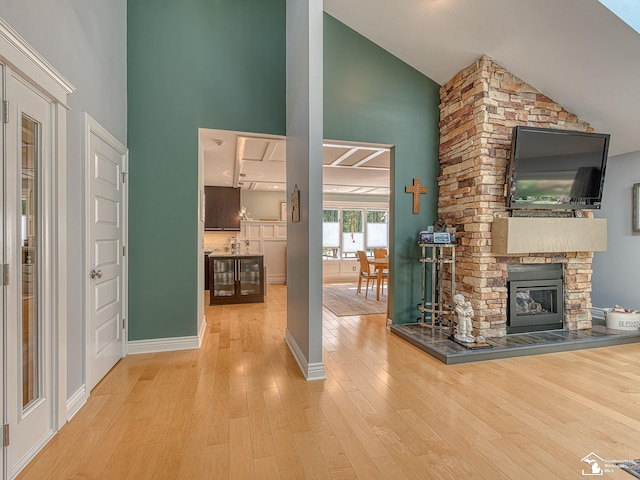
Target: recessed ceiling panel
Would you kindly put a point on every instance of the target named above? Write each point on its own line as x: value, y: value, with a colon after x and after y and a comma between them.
x: 332, y: 155
x: 278, y: 151
x: 255, y: 149
x: 355, y: 157
x: 383, y: 160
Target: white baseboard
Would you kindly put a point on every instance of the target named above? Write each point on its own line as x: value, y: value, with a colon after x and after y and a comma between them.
x: 278, y: 278
x: 315, y: 371
x: 202, y: 329
x: 31, y: 453
x: 155, y: 345
x: 311, y: 371
x: 597, y: 313
x: 76, y: 401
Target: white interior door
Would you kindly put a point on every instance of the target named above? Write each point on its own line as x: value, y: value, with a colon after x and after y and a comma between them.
x: 30, y: 399
x: 3, y: 236
x: 105, y: 256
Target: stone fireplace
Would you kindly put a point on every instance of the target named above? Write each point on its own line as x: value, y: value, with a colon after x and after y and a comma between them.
x: 478, y: 109
x: 535, y: 297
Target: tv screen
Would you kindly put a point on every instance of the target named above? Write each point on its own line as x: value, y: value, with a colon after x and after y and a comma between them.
x: 556, y: 168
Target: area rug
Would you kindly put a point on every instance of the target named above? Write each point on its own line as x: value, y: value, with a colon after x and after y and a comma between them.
x: 343, y: 300
x: 632, y: 467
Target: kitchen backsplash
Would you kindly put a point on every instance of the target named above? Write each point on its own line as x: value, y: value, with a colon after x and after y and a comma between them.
x: 218, y: 241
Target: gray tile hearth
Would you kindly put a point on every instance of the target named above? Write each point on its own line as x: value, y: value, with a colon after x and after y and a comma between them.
x: 439, y: 346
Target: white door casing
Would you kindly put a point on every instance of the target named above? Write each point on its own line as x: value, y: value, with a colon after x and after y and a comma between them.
x: 38, y: 78
x: 105, y: 256
x: 31, y: 426
x: 2, y: 254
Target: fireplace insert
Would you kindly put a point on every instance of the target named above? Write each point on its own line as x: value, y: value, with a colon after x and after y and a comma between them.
x: 535, y: 298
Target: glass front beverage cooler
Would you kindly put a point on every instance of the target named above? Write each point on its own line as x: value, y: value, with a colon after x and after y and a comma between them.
x: 236, y: 279
x: 251, y: 276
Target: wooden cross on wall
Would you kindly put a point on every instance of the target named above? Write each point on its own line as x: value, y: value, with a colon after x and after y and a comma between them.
x: 416, y: 190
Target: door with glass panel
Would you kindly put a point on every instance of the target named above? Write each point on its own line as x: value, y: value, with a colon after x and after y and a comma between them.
x: 28, y: 343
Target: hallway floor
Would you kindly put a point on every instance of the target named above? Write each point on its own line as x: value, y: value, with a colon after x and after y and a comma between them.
x: 238, y: 408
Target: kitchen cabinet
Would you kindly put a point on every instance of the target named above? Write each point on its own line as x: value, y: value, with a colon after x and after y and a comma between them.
x: 222, y: 209
x: 270, y: 239
x: 206, y: 270
x: 236, y: 279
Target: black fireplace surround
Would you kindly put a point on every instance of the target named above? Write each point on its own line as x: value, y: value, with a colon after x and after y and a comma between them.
x: 536, y: 299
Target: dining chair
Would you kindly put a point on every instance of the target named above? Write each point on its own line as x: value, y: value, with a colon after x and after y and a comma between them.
x: 380, y: 253
x: 366, y: 273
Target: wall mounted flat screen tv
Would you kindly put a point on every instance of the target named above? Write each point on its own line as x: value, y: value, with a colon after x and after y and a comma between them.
x: 556, y: 169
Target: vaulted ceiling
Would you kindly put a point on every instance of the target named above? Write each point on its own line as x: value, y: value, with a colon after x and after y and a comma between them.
x: 576, y: 52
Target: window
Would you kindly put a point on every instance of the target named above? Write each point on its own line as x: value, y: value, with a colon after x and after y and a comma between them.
x: 352, y: 232
x: 628, y: 11
x: 377, y: 230
x: 331, y: 233
x: 347, y: 230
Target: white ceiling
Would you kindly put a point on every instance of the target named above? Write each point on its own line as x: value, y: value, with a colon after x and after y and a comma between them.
x: 257, y: 162
x: 576, y: 52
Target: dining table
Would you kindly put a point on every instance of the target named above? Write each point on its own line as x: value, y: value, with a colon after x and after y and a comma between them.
x: 380, y: 265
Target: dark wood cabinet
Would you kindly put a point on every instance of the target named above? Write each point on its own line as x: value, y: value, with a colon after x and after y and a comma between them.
x: 222, y: 208
x: 206, y: 270
x: 236, y: 279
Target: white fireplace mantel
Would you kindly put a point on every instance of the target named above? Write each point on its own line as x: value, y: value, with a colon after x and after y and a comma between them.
x: 524, y: 235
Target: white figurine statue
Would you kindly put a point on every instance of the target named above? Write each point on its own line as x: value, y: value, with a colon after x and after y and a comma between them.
x: 464, y: 312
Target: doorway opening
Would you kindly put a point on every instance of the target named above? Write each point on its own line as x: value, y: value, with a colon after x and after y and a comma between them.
x: 356, y: 182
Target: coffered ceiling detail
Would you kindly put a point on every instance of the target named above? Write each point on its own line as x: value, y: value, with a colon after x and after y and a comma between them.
x: 258, y: 162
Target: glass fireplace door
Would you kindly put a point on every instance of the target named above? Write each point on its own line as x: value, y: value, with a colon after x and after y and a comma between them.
x: 535, y: 305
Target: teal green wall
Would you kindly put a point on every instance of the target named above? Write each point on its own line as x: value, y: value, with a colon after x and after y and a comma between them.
x: 372, y: 96
x: 191, y: 64
x: 221, y: 64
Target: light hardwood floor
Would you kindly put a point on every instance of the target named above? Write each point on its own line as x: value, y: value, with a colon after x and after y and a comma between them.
x: 239, y: 408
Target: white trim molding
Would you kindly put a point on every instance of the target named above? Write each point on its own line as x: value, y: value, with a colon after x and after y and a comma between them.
x: 201, y: 330
x: 31, y: 453
x: 311, y: 371
x: 31, y: 64
x: 155, y: 345
x: 597, y: 313
x: 16, y: 53
x: 76, y: 401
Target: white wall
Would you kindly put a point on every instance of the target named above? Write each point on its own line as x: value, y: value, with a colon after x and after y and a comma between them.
x: 86, y: 43
x: 304, y: 169
x: 616, y: 272
x: 262, y: 205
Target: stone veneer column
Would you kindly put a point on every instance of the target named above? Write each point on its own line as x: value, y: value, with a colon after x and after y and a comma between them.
x: 478, y: 109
